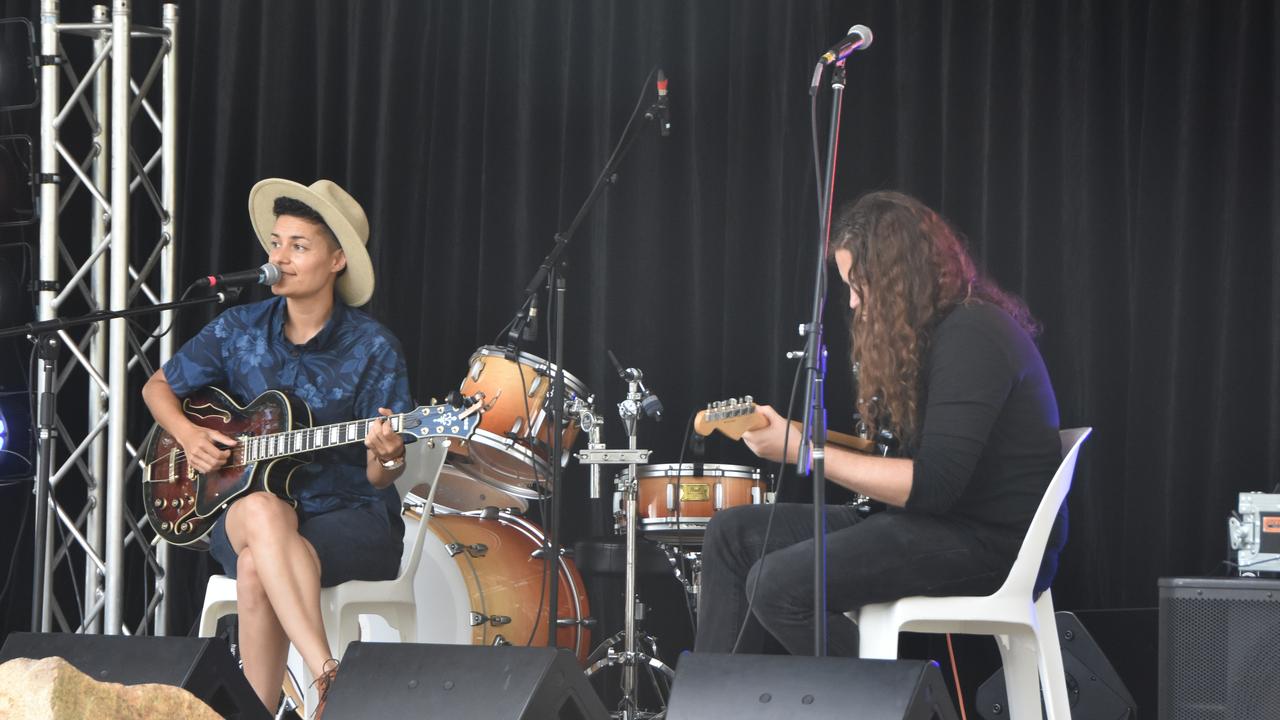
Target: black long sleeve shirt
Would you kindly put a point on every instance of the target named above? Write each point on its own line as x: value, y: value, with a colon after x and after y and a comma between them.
x: 989, y: 440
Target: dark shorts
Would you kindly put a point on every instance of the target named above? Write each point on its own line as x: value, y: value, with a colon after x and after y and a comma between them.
x: 362, y: 543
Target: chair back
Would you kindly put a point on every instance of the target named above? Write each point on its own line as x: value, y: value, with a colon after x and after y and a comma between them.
x: 428, y: 463
x: 1031, y: 554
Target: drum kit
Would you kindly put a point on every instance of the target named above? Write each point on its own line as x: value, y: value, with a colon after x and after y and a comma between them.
x: 490, y: 480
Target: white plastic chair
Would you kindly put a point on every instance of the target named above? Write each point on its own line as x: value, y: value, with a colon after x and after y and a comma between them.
x: 1025, y: 631
x: 341, y: 605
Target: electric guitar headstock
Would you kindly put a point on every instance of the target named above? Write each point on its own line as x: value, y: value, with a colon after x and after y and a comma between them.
x: 731, y: 417
x: 738, y: 415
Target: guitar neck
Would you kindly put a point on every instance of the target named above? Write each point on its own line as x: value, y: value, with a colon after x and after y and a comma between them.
x: 256, y: 448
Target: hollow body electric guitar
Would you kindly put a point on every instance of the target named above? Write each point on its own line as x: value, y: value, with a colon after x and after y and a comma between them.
x: 274, y: 435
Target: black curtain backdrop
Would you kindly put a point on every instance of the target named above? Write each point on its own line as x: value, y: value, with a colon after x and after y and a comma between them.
x: 1116, y: 162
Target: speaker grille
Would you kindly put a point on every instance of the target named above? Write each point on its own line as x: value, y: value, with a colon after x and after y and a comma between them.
x: 1219, y: 653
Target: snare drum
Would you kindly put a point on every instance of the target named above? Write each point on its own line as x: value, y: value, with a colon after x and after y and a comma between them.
x: 677, y: 501
x: 511, y: 449
x: 481, y: 581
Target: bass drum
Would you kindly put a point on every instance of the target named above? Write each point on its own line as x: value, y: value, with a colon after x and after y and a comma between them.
x: 481, y: 581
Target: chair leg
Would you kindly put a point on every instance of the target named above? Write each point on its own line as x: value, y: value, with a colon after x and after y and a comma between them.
x: 348, y: 627
x: 209, y: 618
x: 1053, y: 676
x: 1021, y: 673
x: 406, y: 621
x: 877, y: 633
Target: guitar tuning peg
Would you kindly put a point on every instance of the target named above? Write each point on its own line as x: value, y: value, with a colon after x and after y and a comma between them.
x: 748, y: 399
x: 435, y: 401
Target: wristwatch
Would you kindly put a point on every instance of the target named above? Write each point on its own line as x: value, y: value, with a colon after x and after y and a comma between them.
x: 394, y: 463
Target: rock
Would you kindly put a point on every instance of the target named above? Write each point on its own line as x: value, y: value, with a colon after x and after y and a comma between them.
x: 53, y: 689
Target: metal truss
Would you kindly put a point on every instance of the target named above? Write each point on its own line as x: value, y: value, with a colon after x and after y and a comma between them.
x: 94, y: 173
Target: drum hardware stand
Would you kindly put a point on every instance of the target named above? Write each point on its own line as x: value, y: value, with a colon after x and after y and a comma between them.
x: 638, y: 403
x: 690, y: 579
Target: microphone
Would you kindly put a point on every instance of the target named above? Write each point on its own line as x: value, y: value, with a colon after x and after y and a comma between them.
x: 858, y: 38
x: 664, y: 110
x: 268, y: 274
x: 530, y: 333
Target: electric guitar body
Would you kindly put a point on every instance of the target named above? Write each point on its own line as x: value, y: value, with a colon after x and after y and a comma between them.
x: 275, y: 437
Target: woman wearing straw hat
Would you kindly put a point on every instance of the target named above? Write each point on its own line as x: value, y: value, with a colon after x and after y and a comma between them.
x: 309, y: 341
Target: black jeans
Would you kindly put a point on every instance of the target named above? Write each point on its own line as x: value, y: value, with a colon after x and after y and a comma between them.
x: 889, y: 555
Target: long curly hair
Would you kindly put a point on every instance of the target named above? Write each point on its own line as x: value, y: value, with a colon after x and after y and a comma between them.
x: 910, y: 270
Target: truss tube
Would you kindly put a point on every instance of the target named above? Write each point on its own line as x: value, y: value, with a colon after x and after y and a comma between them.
x: 48, y: 271
x: 168, y: 235
x: 118, y: 378
x: 97, y: 399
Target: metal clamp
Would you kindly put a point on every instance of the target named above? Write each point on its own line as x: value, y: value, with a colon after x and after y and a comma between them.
x: 613, y: 457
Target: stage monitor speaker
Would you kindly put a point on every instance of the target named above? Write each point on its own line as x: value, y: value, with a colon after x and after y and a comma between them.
x: 758, y: 687
x: 202, y: 666
x: 1094, y: 689
x: 1219, y: 654
x: 461, y: 681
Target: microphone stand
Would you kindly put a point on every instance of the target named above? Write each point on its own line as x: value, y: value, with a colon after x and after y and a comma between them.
x: 814, y: 435
x: 551, y: 274
x: 45, y: 334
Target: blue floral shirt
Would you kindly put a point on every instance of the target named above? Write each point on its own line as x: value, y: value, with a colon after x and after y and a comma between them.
x: 352, y: 367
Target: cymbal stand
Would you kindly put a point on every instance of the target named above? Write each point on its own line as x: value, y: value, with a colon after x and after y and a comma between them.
x: 639, y: 403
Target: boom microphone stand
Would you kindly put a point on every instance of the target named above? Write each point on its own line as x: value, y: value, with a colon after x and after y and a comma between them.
x: 814, y: 435
x: 45, y: 335
x: 551, y: 273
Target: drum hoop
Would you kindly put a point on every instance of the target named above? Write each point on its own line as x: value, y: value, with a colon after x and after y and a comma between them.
x: 504, y: 444
x: 571, y: 381
x: 708, y: 470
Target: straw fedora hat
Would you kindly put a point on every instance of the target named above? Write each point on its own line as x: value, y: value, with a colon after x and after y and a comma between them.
x: 341, y: 213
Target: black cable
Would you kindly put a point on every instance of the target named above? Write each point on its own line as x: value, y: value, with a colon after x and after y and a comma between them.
x: 688, y: 428
x: 161, y: 332
x: 764, y: 545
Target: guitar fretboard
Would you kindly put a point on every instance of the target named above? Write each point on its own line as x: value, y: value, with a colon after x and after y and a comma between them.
x: 256, y: 448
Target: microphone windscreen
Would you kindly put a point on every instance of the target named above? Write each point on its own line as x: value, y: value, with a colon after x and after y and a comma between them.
x: 270, y: 274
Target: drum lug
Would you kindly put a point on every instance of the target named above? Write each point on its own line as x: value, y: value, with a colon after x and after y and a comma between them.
x: 574, y: 622
x: 541, y: 552
x: 495, y: 620
x: 500, y: 641
x: 476, y: 550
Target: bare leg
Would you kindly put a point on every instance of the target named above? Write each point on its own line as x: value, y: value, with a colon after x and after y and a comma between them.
x: 287, y: 569
x: 263, y: 644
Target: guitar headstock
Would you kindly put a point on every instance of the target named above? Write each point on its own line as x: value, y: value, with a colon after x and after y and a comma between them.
x: 731, y: 417
x: 441, y: 421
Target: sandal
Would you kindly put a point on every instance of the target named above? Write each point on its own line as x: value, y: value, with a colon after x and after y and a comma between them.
x: 322, y: 683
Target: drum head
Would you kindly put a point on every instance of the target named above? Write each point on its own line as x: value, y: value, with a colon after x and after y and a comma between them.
x: 462, y: 491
